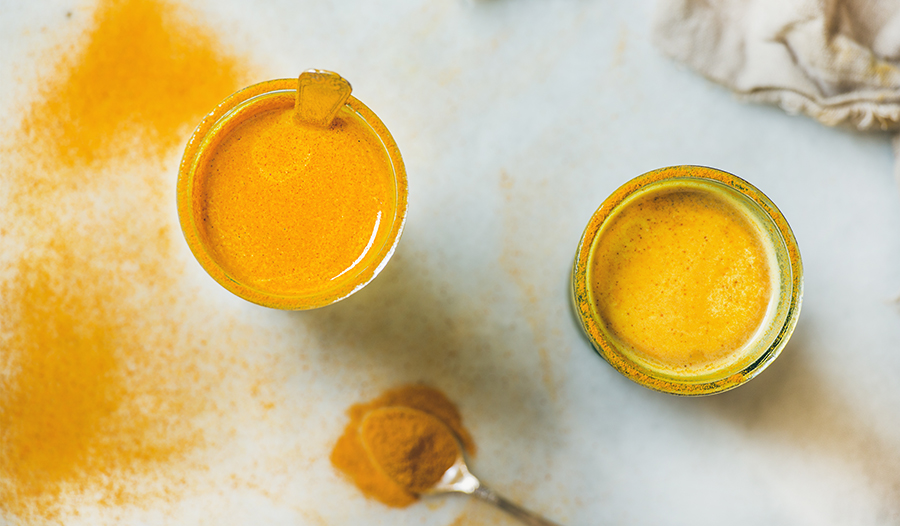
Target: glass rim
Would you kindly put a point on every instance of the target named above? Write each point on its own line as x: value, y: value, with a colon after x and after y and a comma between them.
x: 791, y: 297
x: 237, y: 104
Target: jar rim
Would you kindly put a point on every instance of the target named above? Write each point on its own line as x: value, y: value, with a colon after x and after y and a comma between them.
x: 790, y: 298
x: 243, y: 101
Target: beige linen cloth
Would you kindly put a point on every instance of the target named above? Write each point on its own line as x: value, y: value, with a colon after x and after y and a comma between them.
x: 837, y: 61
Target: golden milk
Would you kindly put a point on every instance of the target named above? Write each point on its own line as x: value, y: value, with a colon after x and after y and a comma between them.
x: 286, y: 207
x: 682, y: 278
x: 688, y: 280
x: 289, y: 214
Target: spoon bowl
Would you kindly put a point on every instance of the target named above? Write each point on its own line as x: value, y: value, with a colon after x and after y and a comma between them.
x: 456, y: 479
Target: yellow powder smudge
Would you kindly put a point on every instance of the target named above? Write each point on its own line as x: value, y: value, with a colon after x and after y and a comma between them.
x: 99, y: 384
x: 71, y: 414
x: 143, y: 77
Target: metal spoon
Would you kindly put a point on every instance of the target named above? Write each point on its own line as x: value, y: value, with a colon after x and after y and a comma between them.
x: 457, y: 479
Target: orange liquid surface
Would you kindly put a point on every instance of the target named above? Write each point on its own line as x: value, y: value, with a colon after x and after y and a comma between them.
x: 288, y: 208
x: 682, y: 278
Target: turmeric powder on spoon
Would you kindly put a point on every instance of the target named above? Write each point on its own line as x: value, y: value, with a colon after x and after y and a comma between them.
x: 412, y: 447
x: 421, y: 454
x: 351, y: 458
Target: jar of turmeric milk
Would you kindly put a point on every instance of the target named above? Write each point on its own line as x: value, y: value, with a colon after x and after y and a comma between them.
x: 292, y: 194
x: 688, y: 280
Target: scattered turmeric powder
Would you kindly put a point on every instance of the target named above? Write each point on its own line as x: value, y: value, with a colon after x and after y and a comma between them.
x: 72, y: 417
x: 350, y: 456
x: 91, y: 394
x: 142, y: 79
x: 413, y: 448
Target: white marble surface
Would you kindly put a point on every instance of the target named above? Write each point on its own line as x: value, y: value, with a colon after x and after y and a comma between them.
x: 516, y: 118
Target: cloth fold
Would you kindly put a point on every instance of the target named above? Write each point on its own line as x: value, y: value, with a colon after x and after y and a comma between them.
x: 837, y: 61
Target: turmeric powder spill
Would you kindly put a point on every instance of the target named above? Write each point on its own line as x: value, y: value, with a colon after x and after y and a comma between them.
x: 73, y: 418
x: 98, y: 383
x: 290, y: 208
x: 413, y: 448
x: 137, y: 84
x: 412, y: 452
x: 683, y: 278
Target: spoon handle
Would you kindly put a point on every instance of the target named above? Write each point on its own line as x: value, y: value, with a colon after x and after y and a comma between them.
x: 513, y: 509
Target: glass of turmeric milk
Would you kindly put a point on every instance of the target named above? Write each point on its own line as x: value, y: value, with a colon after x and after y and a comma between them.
x: 292, y: 194
x: 688, y: 280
